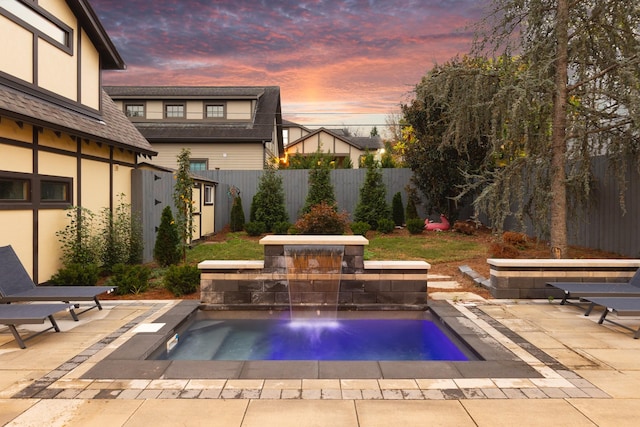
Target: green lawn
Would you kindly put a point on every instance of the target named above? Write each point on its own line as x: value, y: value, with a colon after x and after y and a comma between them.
x: 433, y: 247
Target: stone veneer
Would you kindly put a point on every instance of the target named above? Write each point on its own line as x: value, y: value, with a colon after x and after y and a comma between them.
x: 364, y: 284
x: 527, y: 278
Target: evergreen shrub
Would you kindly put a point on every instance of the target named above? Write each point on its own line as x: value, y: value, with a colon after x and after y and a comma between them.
x: 415, y: 225
x: 167, y: 248
x: 386, y: 226
x: 360, y: 228
x: 255, y: 228
x: 130, y: 279
x: 237, y: 215
x: 281, y: 227
x: 182, y: 279
x: 397, y: 209
x: 76, y: 274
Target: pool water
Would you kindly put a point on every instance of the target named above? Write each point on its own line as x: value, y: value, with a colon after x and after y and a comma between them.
x: 346, y: 339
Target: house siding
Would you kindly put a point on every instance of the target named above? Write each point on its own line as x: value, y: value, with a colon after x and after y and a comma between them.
x: 16, y: 58
x: 219, y: 156
x: 47, y: 90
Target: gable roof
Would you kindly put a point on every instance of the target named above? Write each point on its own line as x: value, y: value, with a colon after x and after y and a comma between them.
x: 267, y: 113
x: 89, y: 21
x: 362, y: 143
x: 113, y: 128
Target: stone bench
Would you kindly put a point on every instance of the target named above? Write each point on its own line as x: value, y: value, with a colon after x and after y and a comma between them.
x: 527, y: 278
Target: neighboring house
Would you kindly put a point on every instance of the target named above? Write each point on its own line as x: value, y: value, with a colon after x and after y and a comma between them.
x: 292, y: 132
x: 63, y: 142
x: 223, y: 127
x: 335, y: 142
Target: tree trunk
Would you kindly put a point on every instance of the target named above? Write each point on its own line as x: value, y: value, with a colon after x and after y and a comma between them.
x: 558, y: 228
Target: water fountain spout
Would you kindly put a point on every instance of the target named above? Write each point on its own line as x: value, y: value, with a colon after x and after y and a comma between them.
x: 313, y: 278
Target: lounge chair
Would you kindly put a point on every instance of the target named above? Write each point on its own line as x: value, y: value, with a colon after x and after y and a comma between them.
x: 621, y: 306
x: 19, y: 314
x: 585, y: 290
x: 17, y: 286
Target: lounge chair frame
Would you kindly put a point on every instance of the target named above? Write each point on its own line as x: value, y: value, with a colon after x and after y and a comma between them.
x: 620, y: 306
x: 585, y: 290
x: 16, y: 286
x: 19, y: 314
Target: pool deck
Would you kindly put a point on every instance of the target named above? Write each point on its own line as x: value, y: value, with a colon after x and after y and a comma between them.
x: 580, y: 373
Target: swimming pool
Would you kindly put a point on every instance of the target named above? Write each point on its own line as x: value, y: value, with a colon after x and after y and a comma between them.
x: 345, y: 339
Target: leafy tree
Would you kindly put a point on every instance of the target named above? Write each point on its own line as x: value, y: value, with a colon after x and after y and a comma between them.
x: 167, y: 248
x: 397, y: 209
x: 121, y: 236
x: 79, y: 243
x: 320, y: 187
x: 269, y: 200
x: 372, y: 205
x: 439, y: 164
x: 183, y: 200
x: 571, y: 93
x: 237, y: 215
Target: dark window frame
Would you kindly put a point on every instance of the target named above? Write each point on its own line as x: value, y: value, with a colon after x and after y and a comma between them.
x: 174, y: 104
x: 135, y: 104
x: 199, y: 161
x: 215, y: 104
x: 34, y: 191
x: 67, y: 46
x: 209, y: 195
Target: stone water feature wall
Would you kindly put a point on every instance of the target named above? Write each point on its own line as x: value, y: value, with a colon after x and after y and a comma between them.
x: 364, y: 285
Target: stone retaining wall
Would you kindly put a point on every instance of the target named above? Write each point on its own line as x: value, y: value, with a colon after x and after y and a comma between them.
x: 363, y: 284
x: 527, y: 278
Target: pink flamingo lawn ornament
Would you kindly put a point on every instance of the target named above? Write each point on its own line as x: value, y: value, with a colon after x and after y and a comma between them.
x: 443, y: 225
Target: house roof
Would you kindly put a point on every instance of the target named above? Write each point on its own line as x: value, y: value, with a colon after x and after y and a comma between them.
x: 113, y: 128
x: 290, y: 124
x: 109, y: 56
x: 362, y: 143
x: 267, y: 114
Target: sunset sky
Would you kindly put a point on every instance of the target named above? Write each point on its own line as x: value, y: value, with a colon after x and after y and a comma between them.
x: 338, y: 63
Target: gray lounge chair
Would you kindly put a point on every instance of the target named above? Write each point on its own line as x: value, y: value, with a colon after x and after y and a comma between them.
x: 622, y: 307
x: 599, y: 289
x: 17, y: 286
x: 19, y: 314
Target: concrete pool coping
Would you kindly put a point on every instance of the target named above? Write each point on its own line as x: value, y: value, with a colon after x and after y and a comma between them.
x: 129, y: 360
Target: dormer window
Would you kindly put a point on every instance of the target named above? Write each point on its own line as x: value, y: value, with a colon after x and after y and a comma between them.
x: 214, y: 111
x: 134, y: 110
x: 174, y: 111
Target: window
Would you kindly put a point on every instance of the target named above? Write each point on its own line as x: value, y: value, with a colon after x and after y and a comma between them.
x: 18, y: 190
x: 215, y: 111
x: 197, y: 165
x: 134, y: 110
x: 54, y: 191
x: 208, y: 194
x: 285, y: 137
x: 14, y: 190
x: 45, y: 25
x: 173, y: 111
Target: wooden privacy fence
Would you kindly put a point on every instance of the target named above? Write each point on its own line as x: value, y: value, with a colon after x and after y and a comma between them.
x: 604, y: 226
x: 153, y: 190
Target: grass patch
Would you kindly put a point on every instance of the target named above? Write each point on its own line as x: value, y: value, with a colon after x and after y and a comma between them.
x: 433, y: 248
x: 236, y: 246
